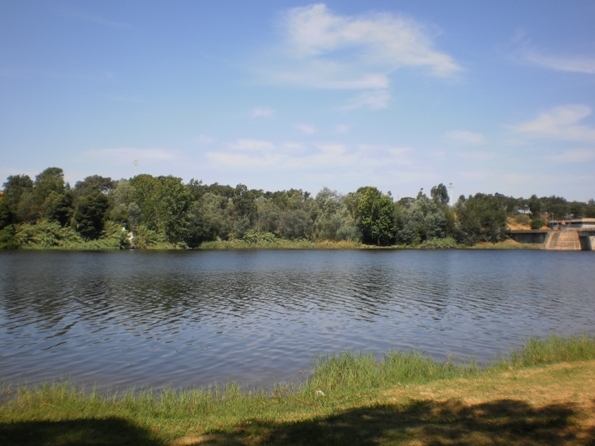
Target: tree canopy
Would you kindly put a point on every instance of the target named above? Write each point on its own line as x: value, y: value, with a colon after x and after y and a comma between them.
x: 164, y: 211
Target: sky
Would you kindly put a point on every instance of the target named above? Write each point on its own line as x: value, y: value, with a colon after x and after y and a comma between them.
x: 481, y: 96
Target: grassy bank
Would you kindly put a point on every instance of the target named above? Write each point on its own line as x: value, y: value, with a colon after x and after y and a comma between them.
x: 541, y: 394
x: 278, y: 243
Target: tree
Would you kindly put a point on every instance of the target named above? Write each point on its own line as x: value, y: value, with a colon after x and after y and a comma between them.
x: 48, y: 181
x: 209, y: 219
x: 332, y: 220
x: 14, y: 187
x: 375, y: 216
x: 440, y: 195
x: 480, y: 218
x: 95, y: 184
x: 421, y: 221
x: 164, y: 203
x: 5, y: 214
x: 124, y: 209
x: 89, y: 215
x: 59, y: 207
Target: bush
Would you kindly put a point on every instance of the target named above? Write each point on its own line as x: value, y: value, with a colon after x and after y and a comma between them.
x: 523, y: 219
x: 537, y: 223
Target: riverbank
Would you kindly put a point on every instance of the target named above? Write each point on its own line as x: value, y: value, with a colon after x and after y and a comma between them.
x: 541, y: 394
x: 448, y: 243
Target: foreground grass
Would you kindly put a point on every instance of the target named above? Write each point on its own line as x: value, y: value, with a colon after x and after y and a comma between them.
x: 541, y: 394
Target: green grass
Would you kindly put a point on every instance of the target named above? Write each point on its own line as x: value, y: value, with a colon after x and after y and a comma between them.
x: 551, y: 350
x: 342, y: 388
x: 278, y: 243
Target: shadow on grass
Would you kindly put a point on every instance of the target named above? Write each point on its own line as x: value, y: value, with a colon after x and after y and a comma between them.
x: 107, y: 431
x: 504, y: 422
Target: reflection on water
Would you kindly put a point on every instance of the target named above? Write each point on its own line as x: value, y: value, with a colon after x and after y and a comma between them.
x: 121, y: 319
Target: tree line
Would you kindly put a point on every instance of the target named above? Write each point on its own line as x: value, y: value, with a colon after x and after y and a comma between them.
x: 163, y: 211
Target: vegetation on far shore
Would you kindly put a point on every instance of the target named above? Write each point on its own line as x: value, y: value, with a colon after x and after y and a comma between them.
x: 349, y: 399
x: 147, y: 212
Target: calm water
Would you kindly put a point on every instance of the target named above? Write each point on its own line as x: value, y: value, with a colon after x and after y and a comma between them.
x: 132, y: 318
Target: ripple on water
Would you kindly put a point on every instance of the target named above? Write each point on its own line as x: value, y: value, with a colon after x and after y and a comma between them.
x: 195, y: 318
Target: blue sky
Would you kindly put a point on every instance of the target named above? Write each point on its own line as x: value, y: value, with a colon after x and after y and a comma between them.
x: 489, y: 96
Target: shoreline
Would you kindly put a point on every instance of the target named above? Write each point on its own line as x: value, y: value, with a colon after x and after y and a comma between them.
x: 237, y: 245
x: 349, y: 398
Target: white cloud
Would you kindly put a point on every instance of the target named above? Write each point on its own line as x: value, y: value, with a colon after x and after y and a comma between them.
x: 306, y: 128
x: 295, y: 156
x: 204, y: 139
x: 561, y: 123
x: 252, y: 145
x: 560, y: 62
x: 574, y: 156
x: 465, y: 137
x: 372, y: 100
x: 380, y: 40
x: 262, y: 112
x: 341, y: 129
x: 322, y: 49
x: 477, y: 156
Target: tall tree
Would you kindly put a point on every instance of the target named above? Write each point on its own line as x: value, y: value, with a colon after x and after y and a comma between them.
x: 440, y: 194
x: 89, y: 217
x: 14, y: 187
x: 375, y: 216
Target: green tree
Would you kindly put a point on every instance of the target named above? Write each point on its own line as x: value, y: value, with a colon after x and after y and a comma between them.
x: 440, y: 195
x: 59, y: 207
x: 95, y: 184
x: 374, y: 213
x: 332, y: 220
x: 14, y: 187
x: 421, y: 221
x: 89, y: 217
x: 164, y: 203
x: 5, y: 213
x: 48, y: 181
x: 480, y: 218
x: 209, y: 219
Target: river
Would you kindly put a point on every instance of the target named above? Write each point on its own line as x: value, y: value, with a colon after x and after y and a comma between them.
x: 194, y: 318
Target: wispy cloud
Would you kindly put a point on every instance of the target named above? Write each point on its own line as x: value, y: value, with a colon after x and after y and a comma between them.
x: 203, y: 139
x: 262, y: 112
x: 465, y: 137
x: 574, y: 63
x: 560, y: 123
x: 306, y: 128
x: 252, y: 145
x: 292, y: 156
x: 573, y: 156
x: 341, y: 129
x: 321, y: 49
x: 371, y: 100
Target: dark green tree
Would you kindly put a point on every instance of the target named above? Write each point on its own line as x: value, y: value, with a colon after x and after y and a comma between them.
x: 59, y: 207
x: 89, y: 217
x: 95, y: 184
x: 14, y: 187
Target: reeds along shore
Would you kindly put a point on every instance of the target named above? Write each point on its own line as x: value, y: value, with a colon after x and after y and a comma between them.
x: 348, y: 399
x: 340, y: 375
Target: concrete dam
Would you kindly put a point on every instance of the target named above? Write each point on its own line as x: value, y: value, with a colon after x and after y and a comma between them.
x: 563, y: 235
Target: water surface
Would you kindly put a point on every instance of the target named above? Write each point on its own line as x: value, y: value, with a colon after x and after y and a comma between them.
x: 141, y: 318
